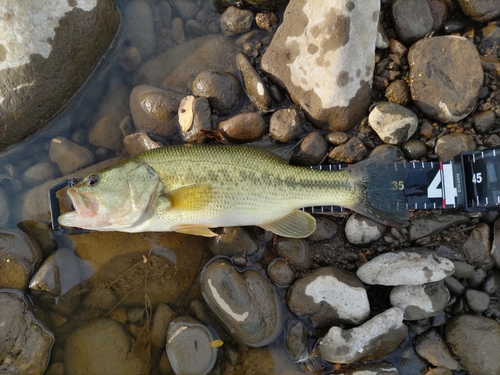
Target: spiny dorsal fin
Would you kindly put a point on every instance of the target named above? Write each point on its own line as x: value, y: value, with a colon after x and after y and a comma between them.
x: 297, y: 224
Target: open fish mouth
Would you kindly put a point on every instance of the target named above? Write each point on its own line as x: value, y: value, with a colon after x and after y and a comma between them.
x: 85, y: 205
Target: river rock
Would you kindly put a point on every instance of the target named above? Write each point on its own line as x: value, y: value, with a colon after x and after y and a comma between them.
x: 445, y: 77
x: 413, y: 149
x: 495, y: 246
x: 139, y: 27
x: 474, y: 340
x: 68, y: 155
x: 372, y: 340
x: 236, y: 21
x: 189, y: 346
x: 323, y: 62
x: 492, y: 283
x: 450, y: 145
x: 245, y: 302
x: 312, y: 150
x: 350, y: 152
x: 412, y: 20
x: 398, y: 92
x: 281, y: 273
x: 139, y: 142
x: 325, y: 229
x: 101, y: 346
x: 296, y: 338
x: 220, y: 5
x: 284, y: 125
x: 431, y: 346
x: 4, y: 208
x: 477, y: 300
x: 202, y: 121
x: 39, y: 39
x: 420, y: 301
x: 329, y: 296
x: 392, y: 122
x: 210, y: 52
x: 484, y: 121
x: 432, y: 224
x: 20, y: 257
x: 26, y: 343
x: 154, y: 110
x: 294, y: 250
x: 222, y: 89
x: 233, y: 241
x: 411, y: 266
x: 372, y: 368
x: 40, y: 173
x: 254, y: 84
x: 244, y: 127
x: 361, y: 230
x: 480, y: 10
x: 477, y: 247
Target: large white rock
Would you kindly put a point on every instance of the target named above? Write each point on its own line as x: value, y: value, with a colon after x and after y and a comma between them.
x: 420, y: 301
x: 323, y: 54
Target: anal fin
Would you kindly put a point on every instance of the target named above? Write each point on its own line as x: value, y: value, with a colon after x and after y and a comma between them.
x: 297, y: 224
x: 195, y: 230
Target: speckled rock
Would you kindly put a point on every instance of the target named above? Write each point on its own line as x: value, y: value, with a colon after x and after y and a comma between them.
x: 475, y: 341
x: 281, y: 272
x: 445, y: 77
x: 325, y: 229
x: 236, y: 21
x: 398, y: 92
x: 329, y: 296
x: 330, y: 81
x: 420, y: 301
x: 39, y: 39
x: 411, y: 266
x: 480, y: 10
x: 483, y: 121
x: 392, y: 122
x: 312, y: 150
x: 284, y: 125
x: 26, y: 343
x: 245, y: 302
x: 412, y: 20
x: 244, y: 127
x: 372, y: 340
x: 254, y: 84
x: 68, y: 155
x: 139, y: 142
x: 350, y: 152
x: 361, y: 230
x: 296, y: 338
x: 450, y: 145
x: 431, y: 346
x: 477, y: 247
x: 266, y: 20
x: 294, y: 250
x: 222, y: 89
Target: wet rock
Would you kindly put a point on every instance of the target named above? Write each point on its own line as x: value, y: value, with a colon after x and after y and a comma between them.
x: 40, y: 173
x: 100, y: 346
x: 188, y: 346
x: 495, y: 246
x: 245, y: 302
x: 463, y: 270
x: 178, y: 34
x: 337, y: 138
x: 411, y: 266
x: 439, y: 12
x: 233, y: 241
x: 20, y: 256
x: 60, y: 271
x: 412, y: 19
x: 187, y: 9
x: 474, y: 340
x: 477, y: 301
x: 484, y: 121
x: 393, y: 123
x: 266, y: 20
x: 492, y: 283
x: 139, y: 142
x: 296, y: 338
x: 480, y: 10
x: 210, y: 52
x: 4, y: 208
x: 454, y: 286
x: 453, y: 26
x: 450, y: 145
x: 373, y: 368
x: 329, y: 296
x: 294, y: 250
x: 236, y: 21
x: 431, y: 346
x: 139, y: 25
x: 202, y: 120
x: 490, y: 39
x: 185, y: 113
x: 420, y: 301
x: 414, y: 149
x: 44, y: 235
x: 352, y: 151
x: 432, y: 224
x: 285, y: 125
x: 66, y: 38
x: 398, y: 92
x: 361, y: 230
x: 477, y: 247
x: 476, y: 280
x: 312, y: 150
x: 281, y: 273
x: 325, y: 229
x: 257, y: 4
x: 326, y: 73
x: 372, y: 340
x: 68, y: 155
x: 244, y: 127
x: 26, y: 343
x: 445, y: 77
x: 130, y: 58
x: 105, y: 130
x: 154, y: 110
x: 254, y: 85
x: 222, y: 89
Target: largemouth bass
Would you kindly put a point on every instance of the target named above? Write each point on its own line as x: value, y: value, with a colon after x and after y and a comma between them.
x: 192, y: 188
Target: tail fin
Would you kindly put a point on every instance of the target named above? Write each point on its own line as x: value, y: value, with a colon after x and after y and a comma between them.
x: 382, y: 182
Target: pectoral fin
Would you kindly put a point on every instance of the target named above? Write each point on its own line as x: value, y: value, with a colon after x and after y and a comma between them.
x: 190, y: 198
x: 297, y: 224
x: 195, y: 230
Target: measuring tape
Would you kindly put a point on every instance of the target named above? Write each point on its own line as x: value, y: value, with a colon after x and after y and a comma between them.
x: 471, y: 182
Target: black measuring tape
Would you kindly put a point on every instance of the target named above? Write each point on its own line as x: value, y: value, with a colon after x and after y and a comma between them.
x: 471, y: 182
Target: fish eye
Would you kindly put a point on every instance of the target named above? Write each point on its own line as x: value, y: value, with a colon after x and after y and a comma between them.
x: 93, y: 180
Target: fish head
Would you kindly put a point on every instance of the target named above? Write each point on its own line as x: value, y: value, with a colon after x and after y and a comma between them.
x: 113, y: 199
